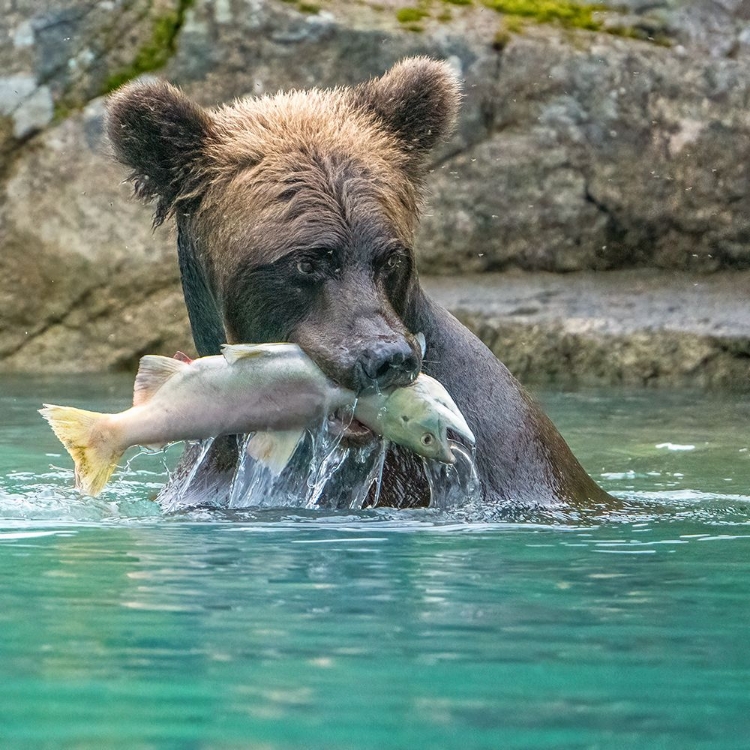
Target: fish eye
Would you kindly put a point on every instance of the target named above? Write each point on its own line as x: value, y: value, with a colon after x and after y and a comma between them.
x: 427, y: 439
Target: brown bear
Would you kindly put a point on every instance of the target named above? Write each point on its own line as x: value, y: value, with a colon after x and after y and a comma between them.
x: 296, y: 216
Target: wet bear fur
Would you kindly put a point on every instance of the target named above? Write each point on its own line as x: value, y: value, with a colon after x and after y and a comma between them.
x: 296, y: 216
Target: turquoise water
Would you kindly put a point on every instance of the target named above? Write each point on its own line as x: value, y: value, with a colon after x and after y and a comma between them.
x: 122, y: 627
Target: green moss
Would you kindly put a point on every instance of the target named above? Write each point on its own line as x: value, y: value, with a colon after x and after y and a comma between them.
x: 445, y: 16
x: 630, y: 32
x: 303, y: 6
x: 62, y: 111
x: 662, y: 40
x: 514, y: 24
x: 510, y: 25
x: 568, y: 13
x: 565, y: 12
x: 156, y: 51
x: 458, y: 2
x: 411, y: 15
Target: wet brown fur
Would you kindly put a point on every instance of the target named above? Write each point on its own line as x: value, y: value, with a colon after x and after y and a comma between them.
x: 263, y: 189
x: 261, y: 150
x: 300, y: 172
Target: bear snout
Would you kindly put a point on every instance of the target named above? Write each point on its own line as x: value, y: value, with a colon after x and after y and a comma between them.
x: 386, y: 365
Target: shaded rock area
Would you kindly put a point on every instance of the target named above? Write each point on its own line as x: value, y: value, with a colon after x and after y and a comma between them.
x: 631, y: 328
x: 634, y: 328
x: 624, y: 147
x: 81, y: 287
x: 57, y: 56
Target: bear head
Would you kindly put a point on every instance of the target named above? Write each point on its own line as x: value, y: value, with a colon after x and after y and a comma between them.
x: 300, y: 209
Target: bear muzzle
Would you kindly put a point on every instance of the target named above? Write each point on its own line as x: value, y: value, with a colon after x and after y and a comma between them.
x: 386, y: 365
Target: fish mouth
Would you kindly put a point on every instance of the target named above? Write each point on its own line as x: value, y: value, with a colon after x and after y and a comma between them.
x: 460, y: 440
x: 342, y: 423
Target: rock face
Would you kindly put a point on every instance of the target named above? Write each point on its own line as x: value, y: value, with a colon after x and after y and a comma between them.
x: 600, y: 156
x: 576, y: 150
x: 633, y: 328
x: 84, y: 283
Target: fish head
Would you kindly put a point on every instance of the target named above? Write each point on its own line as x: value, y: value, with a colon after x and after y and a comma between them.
x: 434, y: 393
x: 419, y: 416
x: 425, y: 433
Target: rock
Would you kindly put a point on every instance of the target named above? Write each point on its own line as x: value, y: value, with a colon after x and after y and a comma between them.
x: 706, y: 27
x: 57, y: 56
x: 602, y: 155
x: 84, y: 282
x: 575, y: 151
x: 29, y: 106
x: 632, y: 328
x: 34, y: 113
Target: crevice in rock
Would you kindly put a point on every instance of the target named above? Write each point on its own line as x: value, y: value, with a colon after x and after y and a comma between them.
x: 113, y: 312
x: 616, y: 233
x: 488, y: 115
x: 50, y: 322
x: 489, y: 105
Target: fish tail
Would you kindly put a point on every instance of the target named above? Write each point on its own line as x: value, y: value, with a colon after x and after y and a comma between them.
x: 92, y: 446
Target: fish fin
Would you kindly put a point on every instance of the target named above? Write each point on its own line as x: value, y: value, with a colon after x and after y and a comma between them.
x: 233, y: 352
x: 274, y: 449
x: 91, y: 445
x: 182, y: 357
x: 153, y: 372
x: 422, y: 341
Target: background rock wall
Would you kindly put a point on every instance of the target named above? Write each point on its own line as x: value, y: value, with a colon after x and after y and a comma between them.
x: 623, y: 146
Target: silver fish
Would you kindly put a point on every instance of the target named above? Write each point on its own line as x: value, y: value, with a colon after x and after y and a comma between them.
x: 273, y: 390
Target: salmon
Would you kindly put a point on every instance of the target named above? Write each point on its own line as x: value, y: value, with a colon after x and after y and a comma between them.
x: 273, y: 390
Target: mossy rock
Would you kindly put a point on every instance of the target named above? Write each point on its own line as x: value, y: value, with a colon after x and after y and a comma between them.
x: 411, y: 15
x: 155, y: 53
x: 569, y: 14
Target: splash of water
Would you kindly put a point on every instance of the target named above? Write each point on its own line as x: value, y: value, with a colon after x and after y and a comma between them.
x: 182, y: 489
x: 453, y: 485
x: 324, y: 473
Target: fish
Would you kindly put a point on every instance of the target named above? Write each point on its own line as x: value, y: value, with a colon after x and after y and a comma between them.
x: 273, y: 390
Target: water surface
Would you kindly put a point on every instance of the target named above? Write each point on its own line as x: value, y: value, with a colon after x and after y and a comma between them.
x: 126, y: 627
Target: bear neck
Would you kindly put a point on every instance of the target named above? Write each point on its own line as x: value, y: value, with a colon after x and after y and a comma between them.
x: 521, y: 457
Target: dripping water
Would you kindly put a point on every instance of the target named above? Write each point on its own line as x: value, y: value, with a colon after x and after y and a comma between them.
x: 453, y: 485
x: 185, y: 491
x: 323, y: 473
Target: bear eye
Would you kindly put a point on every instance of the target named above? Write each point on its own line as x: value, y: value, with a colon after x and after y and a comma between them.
x: 305, y: 267
x: 427, y: 439
x: 393, y: 261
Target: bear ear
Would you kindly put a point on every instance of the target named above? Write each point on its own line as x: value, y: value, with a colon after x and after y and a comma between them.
x: 417, y: 100
x: 162, y: 136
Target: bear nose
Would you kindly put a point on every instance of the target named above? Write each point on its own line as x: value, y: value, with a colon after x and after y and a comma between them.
x: 387, y: 365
